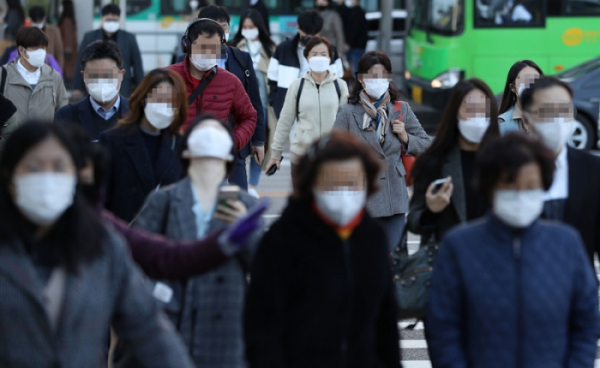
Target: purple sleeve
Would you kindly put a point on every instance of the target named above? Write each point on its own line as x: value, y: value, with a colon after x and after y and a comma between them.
x: 161, y: 258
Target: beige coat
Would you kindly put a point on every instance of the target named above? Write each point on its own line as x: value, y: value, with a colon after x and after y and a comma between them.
x: 40, y: 103
x: 333, y: 29
x: 316, y: 113
x: 55, y: 44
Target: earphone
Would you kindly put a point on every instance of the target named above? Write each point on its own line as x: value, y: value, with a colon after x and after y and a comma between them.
x: 186, y: 45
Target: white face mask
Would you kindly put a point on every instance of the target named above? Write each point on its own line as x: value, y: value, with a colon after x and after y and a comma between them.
x: 36, y: 58
x: 250, y: 34
x: 376, y: 87
x: 38, y: 25
x: 555, y: 133
x: 43, y: 197
x: 349, y: 3
x: 194, y: 4
x: 227, y: 36
x: 103, y: 90
x: 111, y: 26
x: 522, y: 87
x: 518, y: 208
x: 319, y: 64
x: 204, y: 62
x: 209, y: 142
x: 473, y: 129
x: 159, y: 115
x: 341, y: 205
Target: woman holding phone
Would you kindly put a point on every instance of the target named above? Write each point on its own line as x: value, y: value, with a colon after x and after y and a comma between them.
x: 444, y: 191
x: 206, y: 309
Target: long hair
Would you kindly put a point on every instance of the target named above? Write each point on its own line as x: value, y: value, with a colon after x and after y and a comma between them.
x: 78, y: 233
x: 137, y: 101
x: 365, y: 63
x: 263, y: 32
x: 508, y: 97
x: 68, y: 12
x: 428, y: 165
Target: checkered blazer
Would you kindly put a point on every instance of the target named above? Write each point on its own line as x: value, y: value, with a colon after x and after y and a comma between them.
x: 107, y: 290
x: 207, y: 309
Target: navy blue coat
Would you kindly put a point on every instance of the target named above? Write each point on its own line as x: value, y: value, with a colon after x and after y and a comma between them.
x: 232, y: 66
x: 502, y: 298
x: 131, y: 176
x: 64, y: 115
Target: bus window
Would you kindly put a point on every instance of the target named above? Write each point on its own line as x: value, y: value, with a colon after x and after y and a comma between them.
x: 173, y: 7
x: 438, y: 16
x: 133, y: 6
x: 587, y: 7
x: 509, y: 13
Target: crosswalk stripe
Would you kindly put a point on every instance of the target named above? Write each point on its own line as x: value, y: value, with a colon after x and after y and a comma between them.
x: 413, y: 344
x: 416, y: 364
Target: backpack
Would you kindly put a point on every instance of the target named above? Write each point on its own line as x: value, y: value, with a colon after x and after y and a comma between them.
x: 239, y: 57
x: 337, y: 89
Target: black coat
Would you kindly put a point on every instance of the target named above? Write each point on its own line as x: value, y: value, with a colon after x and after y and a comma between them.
x: 311, y: 292
x: 355, y: 26
x: 582, y: 208
x: 85, y: 117
x: 131, y: 176
x: 132, y: 59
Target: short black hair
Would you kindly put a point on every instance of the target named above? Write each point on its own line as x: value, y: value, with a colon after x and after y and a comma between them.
x: 208, y: 27
x: 111, y: 9
x: 542, y: 83
x: 31, y: 37
x: 37, y: 13
x: 215, y: 12
x: 501, y: 158
x: 310, y: 22
x: 101, y: 49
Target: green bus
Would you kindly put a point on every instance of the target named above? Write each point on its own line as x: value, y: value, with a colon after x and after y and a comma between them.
x: 454, y: 39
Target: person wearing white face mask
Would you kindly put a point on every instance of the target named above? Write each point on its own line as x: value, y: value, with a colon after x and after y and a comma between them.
x: 189, y: 209
x: 55, y: 44
x: 311, y: 102
x: 143, y: 145
x: 63, y: 268
x: 36, y: 89
x: 130, y: 52
x: 376, y: 115
x: 328, y: 246
x: 518, y: 289
x: 548, y: 108
x: 103, y: 75
x: 520, y: 76
x: 470, y: 114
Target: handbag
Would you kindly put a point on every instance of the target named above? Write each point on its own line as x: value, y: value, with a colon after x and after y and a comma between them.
x: 412, y: 276
x: 407, y: 161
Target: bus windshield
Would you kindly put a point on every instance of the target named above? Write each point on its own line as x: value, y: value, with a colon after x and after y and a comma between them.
x: 438, y: 16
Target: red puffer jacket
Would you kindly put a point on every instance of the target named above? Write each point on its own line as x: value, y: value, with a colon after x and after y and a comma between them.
x: 224, y: 95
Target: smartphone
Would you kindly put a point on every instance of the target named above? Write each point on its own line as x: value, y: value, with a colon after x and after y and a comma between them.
x: 437, y: 185
x: 273, y: 169
x: 227, y: 192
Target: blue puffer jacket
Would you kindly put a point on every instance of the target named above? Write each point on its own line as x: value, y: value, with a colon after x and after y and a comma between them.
x: 505, y: 298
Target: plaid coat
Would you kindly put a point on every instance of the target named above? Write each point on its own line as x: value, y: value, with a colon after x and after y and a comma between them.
x: 107, y: 290
x: 207, y: 309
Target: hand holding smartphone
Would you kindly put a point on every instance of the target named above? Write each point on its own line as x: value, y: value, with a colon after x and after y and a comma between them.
x: 273, y: 169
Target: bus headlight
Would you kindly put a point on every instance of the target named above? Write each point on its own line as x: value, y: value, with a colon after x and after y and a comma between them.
x: 447, y: 79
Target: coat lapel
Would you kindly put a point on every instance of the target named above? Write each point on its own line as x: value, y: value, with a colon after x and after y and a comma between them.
x: 17, y: 265
x: 77, y: 295
x: 183, y: 202
x: 453, y: 167
x: 370, y: 137
x: 135, y: 148
x: 166, y: 160
x: 392, y: 143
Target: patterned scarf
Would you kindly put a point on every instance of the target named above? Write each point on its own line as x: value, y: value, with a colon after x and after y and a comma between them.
x: 376, y: 117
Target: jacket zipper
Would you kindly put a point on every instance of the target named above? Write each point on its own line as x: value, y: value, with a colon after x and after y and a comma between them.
x: 350, y: 277
x: 517, y: 255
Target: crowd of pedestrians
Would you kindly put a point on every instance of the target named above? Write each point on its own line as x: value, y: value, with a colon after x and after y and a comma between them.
x: 132, y: 231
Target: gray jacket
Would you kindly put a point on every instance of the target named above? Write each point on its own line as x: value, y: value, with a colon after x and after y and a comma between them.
x: 392, y: 197
x: 207, y: 309
x: 107, y: 290
x: 40, y: 102
x: 333, y: 29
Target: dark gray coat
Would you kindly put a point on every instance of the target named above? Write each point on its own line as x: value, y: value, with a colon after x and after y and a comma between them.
x: 392, y: 197
x: 108, y: 290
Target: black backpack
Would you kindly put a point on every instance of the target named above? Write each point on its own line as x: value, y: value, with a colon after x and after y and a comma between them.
x: 337, y: 89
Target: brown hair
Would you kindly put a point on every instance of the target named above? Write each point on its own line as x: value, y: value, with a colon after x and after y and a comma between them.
x: 31, y: 37
x: 336, y: 146
x: 315, y: 41
x: 137, y: 101
x: 365, y: 63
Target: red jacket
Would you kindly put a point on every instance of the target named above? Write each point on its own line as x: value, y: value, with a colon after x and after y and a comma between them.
x: 224, y: 95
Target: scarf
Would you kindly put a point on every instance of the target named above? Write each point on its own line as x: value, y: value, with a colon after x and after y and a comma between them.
x: 376, y: 117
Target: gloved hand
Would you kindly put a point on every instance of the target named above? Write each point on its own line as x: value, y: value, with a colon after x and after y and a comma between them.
x: 238, y: 234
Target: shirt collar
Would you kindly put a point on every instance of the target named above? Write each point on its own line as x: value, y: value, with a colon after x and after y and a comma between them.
x: 517, y: 113
x: 26, y: 73
x: 561, y: 159
x: 114, y: 107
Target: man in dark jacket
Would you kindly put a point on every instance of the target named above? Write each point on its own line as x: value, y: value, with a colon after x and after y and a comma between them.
x: 288, y: 63
x: 574, y: 197
x: 130, y: 52
x: 224, y: 93
x: 239, y: 63
x: 355, y: 31
x: 103, y: 75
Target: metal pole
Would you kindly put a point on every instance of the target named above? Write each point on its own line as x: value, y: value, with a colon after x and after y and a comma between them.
x: 385, y: 25
x: 84, y: 13
x: 123, y: 6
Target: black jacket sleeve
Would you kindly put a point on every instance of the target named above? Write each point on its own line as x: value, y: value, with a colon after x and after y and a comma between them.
x: 136, y: 62
x: 259, y: 136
